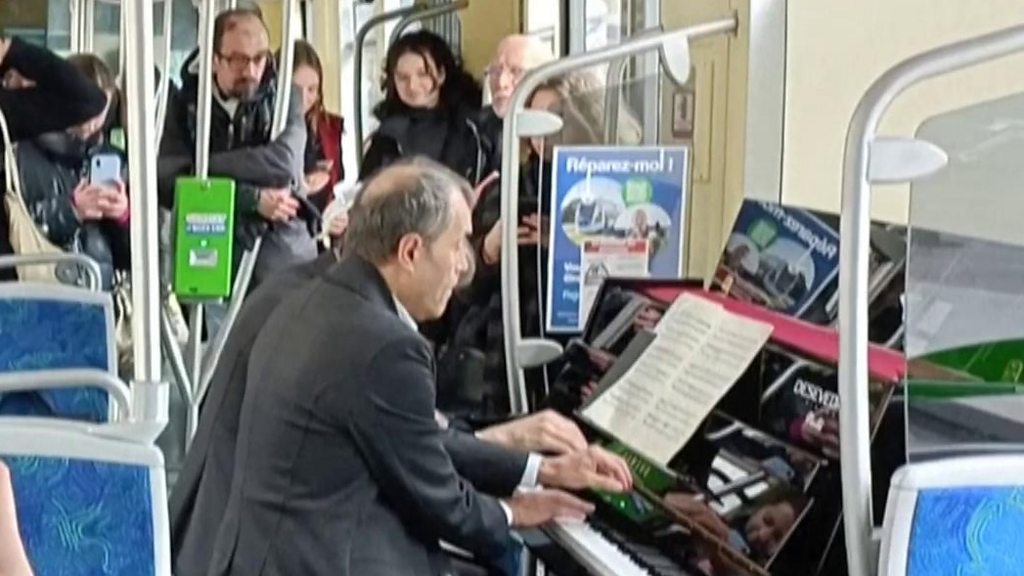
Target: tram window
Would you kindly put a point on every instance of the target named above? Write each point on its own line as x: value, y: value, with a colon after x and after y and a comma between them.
x: 49, y: 23
x: 604, y: 23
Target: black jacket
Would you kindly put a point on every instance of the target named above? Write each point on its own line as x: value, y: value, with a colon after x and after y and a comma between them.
x: 201, y: 493
x: 51, y: 167
x: 448, y: 136
x: 480, y: 325
x: 62, y: 98
x: 241, y: 148
x: 341, y: 468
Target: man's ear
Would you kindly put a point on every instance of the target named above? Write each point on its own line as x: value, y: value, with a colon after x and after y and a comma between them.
x: 409, y: 248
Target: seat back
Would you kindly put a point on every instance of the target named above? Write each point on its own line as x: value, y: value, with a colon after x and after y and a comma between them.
x: 48, y: 327
x: 87, y: 505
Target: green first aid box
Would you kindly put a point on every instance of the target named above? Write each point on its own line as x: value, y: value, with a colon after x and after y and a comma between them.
x: 204, y: 236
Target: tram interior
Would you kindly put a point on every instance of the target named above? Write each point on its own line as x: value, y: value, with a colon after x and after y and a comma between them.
x: 884, y: 396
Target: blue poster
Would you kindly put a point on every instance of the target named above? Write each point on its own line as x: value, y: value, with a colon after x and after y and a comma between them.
x: 779, y: 257
x: 613, y: 193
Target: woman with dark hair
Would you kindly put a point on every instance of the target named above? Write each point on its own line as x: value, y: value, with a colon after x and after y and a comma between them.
x: 429, y: 107
x: 323, y: 145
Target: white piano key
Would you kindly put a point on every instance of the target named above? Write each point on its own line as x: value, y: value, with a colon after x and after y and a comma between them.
x: 594, y: 551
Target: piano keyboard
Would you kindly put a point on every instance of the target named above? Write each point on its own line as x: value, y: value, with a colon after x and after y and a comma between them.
x: 603, y: 553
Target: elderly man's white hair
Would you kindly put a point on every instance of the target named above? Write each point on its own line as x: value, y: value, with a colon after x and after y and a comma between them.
x: 536, y: 52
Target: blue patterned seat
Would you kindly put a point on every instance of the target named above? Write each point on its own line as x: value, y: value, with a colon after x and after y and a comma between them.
x: 87, y: 506
x: 53, y: 327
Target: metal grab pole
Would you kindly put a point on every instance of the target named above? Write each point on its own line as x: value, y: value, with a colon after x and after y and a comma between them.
x: 164, y: 88
x: 425, y: 14
x: 510, y: 186
x: 88, y: 27
x: 357, y: 95
x: 613, y: 100
x: 855, y: 235
x: 204, y: 104
x: 291, y: 26
x: 75, y: 42
x: 149, y: 392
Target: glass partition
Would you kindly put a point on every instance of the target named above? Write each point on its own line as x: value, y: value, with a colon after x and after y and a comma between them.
x: 965, y: 285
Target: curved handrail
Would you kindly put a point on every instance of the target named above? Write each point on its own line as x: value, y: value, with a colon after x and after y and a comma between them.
x: 510, y: 186
x: 425, y: 14
x: 25, y: 381
x: 854, y: 246
x: 357, y: 95
x: 91, y: 267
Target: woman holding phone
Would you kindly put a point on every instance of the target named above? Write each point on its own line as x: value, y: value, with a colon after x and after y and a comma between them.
x: 323, y: 144
x: 73, y: 186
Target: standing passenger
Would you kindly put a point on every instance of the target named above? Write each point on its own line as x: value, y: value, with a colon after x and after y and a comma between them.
x: 323, y: 145
x: 40, y: 92
x: 270, y: 197
x: 73, y: 213
x: 428, y: 110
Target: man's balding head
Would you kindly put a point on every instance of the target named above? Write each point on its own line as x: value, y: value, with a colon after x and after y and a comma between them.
x: 411, y: 220
x: 516, y: 55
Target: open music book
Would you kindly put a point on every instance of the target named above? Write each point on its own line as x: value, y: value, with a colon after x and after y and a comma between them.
x: 699, y: 351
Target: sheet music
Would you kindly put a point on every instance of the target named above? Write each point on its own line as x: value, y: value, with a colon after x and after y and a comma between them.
x: 698, y: 354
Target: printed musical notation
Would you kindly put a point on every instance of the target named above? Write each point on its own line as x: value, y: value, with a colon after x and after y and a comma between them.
x: 699, y: 352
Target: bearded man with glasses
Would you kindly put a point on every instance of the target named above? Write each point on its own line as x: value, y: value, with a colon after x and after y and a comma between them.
x: 270, y: 199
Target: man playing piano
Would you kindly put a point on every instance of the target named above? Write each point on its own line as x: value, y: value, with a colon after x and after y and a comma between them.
x: 340, y: 466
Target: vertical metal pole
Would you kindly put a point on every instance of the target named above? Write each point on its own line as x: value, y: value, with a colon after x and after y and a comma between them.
x: 150, y: 394
x: 75, y: 7
x: 165, y: 76
x: 577, y: 26
x: 308, y: 18
x: 204, y: 103
x: 291, y: 27
x: 345, y: 101
x: 205, y: 99
x: 88, y: 26
x: 650, y: 66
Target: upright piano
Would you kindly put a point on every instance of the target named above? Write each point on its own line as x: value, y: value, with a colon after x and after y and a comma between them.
x: 772, y: 493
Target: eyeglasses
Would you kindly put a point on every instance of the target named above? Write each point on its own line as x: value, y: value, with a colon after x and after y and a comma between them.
x: 239, y: 62
x: 495, y: 72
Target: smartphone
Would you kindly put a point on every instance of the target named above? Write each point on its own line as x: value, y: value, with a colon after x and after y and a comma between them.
x: 104, y: 169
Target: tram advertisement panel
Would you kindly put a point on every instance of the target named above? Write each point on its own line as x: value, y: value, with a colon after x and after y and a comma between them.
x: 606, y: 195
x: 779, y: 257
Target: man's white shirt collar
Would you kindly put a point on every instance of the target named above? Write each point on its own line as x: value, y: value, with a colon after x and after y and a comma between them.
x: 404, y: 314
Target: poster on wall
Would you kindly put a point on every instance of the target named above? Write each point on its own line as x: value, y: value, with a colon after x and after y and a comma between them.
x: 606, y: 194
x: 779, y: 257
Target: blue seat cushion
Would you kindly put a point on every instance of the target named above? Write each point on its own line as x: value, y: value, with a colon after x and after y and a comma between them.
x: 41, y: 334
x: 84, y: 518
